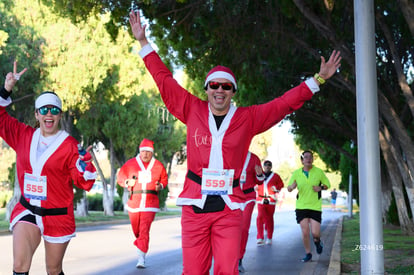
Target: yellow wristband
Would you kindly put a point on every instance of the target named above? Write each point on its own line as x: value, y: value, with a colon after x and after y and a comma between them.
x: 319, y: 78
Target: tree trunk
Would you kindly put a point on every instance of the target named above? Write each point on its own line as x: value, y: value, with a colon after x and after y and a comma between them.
x: 82, y: 207
x: 108, y: 203
x: 108, y: 195
x: 394, y: 176
x: 125, y: 198
x: 15, y: 199
x: 404, y: 172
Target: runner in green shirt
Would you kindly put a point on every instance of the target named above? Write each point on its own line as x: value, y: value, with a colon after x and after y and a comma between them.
x: 310, y: 181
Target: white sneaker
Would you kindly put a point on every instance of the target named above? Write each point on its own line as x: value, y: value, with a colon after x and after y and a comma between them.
x: 260, y: 242
x: 269, y: 241
x: 141, y: 259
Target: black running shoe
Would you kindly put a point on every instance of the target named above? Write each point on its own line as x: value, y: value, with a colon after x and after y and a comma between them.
x: 307, y: 258
x: 319, y: 247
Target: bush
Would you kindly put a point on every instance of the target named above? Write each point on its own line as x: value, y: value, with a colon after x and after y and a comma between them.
x: 95, y: 202
x: 5, y: 196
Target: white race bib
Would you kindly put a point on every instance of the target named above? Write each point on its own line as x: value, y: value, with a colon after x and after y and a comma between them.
x: 217, y: 181
x: 35, y: 187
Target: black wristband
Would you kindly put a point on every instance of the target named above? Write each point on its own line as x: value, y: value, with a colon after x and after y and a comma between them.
x: 4, y: 93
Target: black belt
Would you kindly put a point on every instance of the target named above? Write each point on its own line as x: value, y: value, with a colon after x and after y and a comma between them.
x: 144, y: 192
x: 196, y: 178
x: 264, y: 196
x: 43, y: 211
x: 247, y: 191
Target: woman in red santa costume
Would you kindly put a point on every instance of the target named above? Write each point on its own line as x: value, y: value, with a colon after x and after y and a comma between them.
x: 144, y: 176
x: 251, y: 176
x: 266, y: 204
x: 218, y: 139
x: 48, y: 164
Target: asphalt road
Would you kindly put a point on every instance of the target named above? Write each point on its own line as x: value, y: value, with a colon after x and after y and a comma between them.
x: 108, y: 249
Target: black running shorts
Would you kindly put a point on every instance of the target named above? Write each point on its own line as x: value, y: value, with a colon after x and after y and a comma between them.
x: 307, y: 213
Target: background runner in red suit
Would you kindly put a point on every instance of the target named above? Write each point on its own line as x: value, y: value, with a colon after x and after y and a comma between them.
x: 48, y: 164
x: 144, y: 176
x: 266, y: 203
x: 252, y: 175
x: 218, y: 139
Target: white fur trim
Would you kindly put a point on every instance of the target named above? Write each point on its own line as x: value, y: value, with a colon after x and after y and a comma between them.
x: 221, y: 74
x: 4, y: 102
x: 142, y: 209
x: 310, y: 82
x: 89, y: 175
x: 61, y: 239
x: 149, y: 149
x: 146, y: 50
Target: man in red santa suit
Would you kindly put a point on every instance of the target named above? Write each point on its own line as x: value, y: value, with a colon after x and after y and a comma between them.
x: 218, y: 139
x: 49, y: 162
x: 266, y: 203
x: 252, y: 175
x: 144, y: 176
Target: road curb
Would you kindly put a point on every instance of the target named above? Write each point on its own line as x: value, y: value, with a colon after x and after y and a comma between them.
x: 335, y: 261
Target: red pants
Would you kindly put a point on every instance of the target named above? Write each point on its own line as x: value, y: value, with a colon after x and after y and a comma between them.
x: 208, y: 235
x: 141, y: 224
x: 265, y: 218
x: 246, y: 219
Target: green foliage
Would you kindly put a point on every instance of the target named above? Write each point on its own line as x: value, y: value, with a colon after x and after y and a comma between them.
x: 5, y: 196
x: 348, y: 166
x: 162, y: 196
x: 271, y: 47
x: 350, y: 239
x: 95, y: 202
x: 107, y: 95
x: 78, y: 194
x: 12, y: 174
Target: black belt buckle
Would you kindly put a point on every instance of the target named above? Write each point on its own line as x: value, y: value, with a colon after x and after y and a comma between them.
x: 265, y: 201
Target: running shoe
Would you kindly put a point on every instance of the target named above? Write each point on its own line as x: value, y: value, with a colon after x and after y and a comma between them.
x: 260, y: 242
x: 141, y: 259
x: 307, y: 258
x: 319, y: 247
x: 269, y: 241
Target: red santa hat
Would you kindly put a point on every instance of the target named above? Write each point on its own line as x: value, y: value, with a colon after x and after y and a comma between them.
x: 146, y: 145
x: 221, y: 72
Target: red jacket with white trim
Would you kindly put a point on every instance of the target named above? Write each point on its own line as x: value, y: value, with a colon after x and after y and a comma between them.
x: 143, y: 195
x: 245, y: 124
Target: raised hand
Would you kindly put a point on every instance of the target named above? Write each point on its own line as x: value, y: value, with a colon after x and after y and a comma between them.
x: 259, y: 170
x: 327, y: 69
x: 138, y: 30
x: 12, y: 77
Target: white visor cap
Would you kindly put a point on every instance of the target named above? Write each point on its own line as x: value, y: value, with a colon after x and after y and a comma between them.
x: 48, y: 98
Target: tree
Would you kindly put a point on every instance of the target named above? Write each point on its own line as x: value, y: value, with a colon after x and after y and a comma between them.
x: 277, y: 44
x: 96, y: 76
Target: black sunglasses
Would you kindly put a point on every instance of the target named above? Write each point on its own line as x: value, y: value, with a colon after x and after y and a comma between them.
x: 53, y: 110
x: 215, y: 85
